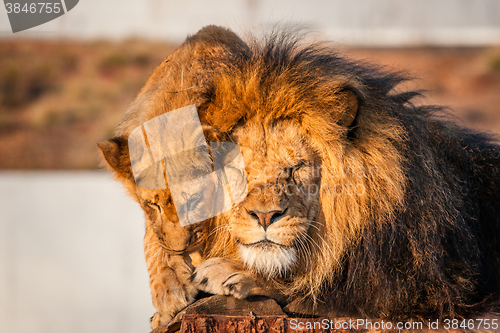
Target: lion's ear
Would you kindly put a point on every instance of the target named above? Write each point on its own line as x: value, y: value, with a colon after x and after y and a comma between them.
x: 115, y: 152
x: 214, y: 35
x: 349, y: 103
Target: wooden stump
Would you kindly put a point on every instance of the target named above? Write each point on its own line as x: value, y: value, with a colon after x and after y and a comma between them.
x: 262, y: 314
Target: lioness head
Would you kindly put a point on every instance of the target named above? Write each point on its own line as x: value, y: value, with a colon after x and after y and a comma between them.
x: 152, y: 190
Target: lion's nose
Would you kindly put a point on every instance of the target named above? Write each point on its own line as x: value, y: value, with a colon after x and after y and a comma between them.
x: 265, y: 219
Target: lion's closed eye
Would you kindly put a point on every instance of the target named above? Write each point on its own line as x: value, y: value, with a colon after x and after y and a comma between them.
x: 153, y: 207
x: 303, y: 173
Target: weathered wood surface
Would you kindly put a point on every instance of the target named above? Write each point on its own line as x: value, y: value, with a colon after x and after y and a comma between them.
x: 261, y: 314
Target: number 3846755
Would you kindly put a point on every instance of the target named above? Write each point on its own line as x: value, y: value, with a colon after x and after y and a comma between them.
x: 471, y: 324
x: 33, y: 8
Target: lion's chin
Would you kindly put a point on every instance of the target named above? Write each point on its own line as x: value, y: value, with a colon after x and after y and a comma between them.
x: 268, y: 260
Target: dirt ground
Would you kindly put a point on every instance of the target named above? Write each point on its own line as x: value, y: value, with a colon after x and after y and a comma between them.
x: 58, y: 99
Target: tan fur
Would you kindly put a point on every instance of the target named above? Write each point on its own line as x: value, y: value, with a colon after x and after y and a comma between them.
x: 172, y: 83
x: 291, y: 135
x: 169, y: 275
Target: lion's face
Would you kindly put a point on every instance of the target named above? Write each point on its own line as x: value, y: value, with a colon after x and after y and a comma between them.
x: 194, y: 199
x: 161, y: 215
x: 271, y: 225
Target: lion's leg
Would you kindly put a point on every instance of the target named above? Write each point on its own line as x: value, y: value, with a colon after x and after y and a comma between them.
x: 171, y: 289
x: 225, y: 277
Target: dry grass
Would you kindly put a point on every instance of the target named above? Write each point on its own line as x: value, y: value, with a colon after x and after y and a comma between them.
x: 465, y: 79
x: 58, y: 99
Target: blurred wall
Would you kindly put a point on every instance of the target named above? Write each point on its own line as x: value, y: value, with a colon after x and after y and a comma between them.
x: 359, y: 22
x: 71, y: 257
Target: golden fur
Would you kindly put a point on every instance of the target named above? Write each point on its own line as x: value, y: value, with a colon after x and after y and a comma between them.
x: 323, y: 139
x: 358, y: 200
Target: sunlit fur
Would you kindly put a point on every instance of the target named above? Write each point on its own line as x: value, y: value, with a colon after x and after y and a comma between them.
x: 263, y: 89
x: 421, y: 236
x: 270, y: 262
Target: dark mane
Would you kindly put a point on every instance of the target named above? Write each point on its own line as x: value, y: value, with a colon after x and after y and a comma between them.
x: 432, y: 252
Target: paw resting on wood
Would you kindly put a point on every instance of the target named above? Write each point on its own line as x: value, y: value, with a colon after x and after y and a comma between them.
x: 223, y: 277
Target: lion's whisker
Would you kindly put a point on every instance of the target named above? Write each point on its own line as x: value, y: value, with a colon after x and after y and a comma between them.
x: 307, y: 254
x: 324, y: 241
x: 153, y: 257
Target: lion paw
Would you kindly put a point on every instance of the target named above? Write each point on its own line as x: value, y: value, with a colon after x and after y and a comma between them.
x: 157, y: 320
x: 222, y: 277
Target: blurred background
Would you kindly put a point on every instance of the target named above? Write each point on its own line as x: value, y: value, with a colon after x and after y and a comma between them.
x: 71, y: 257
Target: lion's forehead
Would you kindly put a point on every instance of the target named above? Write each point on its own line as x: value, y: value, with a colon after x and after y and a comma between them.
x: 270, y: 147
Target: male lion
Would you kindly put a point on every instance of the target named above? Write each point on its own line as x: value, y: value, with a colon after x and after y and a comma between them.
x: 359, y: 203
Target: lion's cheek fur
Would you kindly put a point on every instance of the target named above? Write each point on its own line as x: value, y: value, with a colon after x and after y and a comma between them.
x: 285, y: 232
x: 288, y: 231
x: 247, y: 232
